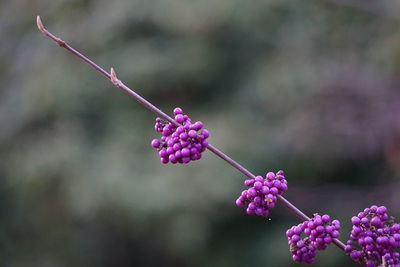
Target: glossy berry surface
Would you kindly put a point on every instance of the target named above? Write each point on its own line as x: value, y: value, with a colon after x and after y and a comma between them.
x: 261, y: 195
x: 180, y: 144
x: 312, y: 235
x: 375, y: 238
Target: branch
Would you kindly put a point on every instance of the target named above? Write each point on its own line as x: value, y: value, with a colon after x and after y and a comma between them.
x: 112, y: 76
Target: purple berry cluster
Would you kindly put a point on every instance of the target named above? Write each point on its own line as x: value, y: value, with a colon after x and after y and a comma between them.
x: 261, y: 195
x: 375, y: 238
x: 180, y: 144
x: 319, y: 233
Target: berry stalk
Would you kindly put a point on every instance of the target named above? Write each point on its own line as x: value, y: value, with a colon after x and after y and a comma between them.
x: 119, y: 84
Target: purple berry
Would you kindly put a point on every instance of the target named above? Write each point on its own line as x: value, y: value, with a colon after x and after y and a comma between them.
x: 270, y: 176
x: 249, y: 182
x: 177, y: 111
x: 355, y: 220
x: 204, y: 143
x: 197, y: 125
x: 183, y: 136
x: 170, y: 150
x: 192, y: 134
x: 185, y: 159
x: 179, y: 118
x: 185, y: 152
x: 178, y: 154
x: 163, y: 153
x: 155, y: 143
x: 205, y: 133
x: 177, y: 146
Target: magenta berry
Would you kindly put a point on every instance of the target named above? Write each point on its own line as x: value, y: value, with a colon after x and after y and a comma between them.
x: 375, y: 238
x: 261, y: 194
x: 155, y: 143
x: 177, y: 111
x: 319, y: 233
x: 180, y: 144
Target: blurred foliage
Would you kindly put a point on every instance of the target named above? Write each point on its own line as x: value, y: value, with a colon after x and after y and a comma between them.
x: 311, y: 87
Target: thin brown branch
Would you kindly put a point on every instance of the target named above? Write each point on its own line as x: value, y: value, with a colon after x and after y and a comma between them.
x: 112, y: 76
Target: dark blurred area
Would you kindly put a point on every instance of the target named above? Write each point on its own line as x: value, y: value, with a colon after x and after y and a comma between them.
x: 310, y: 87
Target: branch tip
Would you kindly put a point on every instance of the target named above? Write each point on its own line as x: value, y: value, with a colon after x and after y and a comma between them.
x: 40, y: 24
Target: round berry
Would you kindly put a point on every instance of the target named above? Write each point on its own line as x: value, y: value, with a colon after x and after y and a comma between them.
x: 192, y: 134
x: 155, y: 143
x: 179, y: 118
x: 177, y: 111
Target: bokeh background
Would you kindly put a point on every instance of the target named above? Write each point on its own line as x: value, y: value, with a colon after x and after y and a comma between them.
x: 310, y: 87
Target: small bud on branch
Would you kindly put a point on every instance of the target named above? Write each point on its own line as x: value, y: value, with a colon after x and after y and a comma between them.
x: 40, y: 24
x: 113, y: 77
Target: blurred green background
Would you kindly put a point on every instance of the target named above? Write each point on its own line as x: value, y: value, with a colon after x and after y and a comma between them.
x: 310, y: 87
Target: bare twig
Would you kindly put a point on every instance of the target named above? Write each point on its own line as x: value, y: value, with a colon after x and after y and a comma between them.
x: 112, y: 76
